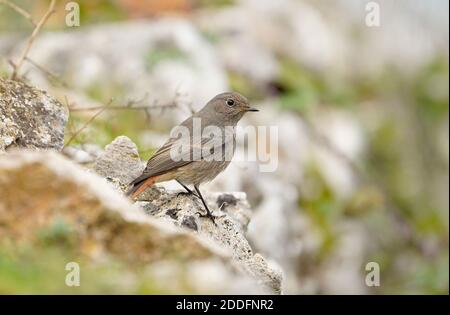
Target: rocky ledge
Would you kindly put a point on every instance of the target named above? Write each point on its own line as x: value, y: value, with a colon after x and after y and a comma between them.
x: 161, y: 232
x: 120, y: 164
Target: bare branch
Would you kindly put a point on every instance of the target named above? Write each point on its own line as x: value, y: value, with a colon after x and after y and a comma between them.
x: 129, y: 106
x: 88, y: 122
x: 19, y: 10
x: 70, y: 121
x: 132, y: 102
x: 143, y: 107
x: 48, y: 73
x: 179, y: 94
x: 18, y: 64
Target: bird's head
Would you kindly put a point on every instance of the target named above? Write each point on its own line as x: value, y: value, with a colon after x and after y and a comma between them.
x: 229, y: 106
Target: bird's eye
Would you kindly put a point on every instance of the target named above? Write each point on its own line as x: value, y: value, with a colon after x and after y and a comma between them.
x: 230, y: 102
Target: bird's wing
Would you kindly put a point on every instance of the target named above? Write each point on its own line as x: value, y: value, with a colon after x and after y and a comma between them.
x: 167, y: 158
x: 175, y: 153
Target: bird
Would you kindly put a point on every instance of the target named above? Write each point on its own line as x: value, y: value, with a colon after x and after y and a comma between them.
x: 198, y: 150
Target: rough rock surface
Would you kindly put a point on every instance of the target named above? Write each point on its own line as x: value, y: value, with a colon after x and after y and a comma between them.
x: 125, y: 151
x: 84, y: 154
x: 30, y: 117
x: 39, y: 188
x: 182, y: 209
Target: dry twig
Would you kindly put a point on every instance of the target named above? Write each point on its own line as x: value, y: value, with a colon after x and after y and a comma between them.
x: 50, y: 75
x: 132, y: 105
x: 143, y: 107
x: 74, y: 135
x: 129, y: 106
x: 19, y: 10
x: 18, y: 64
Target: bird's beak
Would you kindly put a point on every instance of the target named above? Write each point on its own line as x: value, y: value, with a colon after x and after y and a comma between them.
x: 251, y: 109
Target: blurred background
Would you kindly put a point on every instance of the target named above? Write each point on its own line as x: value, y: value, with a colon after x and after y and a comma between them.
x: 362, y: 114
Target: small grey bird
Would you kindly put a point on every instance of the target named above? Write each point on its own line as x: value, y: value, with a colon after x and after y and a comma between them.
x: 198, y: 156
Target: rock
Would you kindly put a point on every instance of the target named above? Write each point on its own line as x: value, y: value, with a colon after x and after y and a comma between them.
x: 190, y: 222
x: 84, y: 154
x: 30, y: 117
x: 40, y: 188
x: 235, y: 205
x: 119, y: 161
x: 79, y: 196
x: 182, y: 209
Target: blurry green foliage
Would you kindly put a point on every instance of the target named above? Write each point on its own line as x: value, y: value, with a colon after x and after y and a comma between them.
x: 431, y: 90
x: 243, y: 85
x: 213, y: 3
x: 59, y: 232
x: 103, y: 130
x: 12, y: 21
x: 40, y: 269
x: 100, y: 11
x: 301, y: 88
x: 403, y: 156
x: 163, y: 52
x: 320, y: 203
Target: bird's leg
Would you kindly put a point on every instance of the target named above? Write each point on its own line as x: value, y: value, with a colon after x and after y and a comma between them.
x: 208, y: 212
x: 187, y: 189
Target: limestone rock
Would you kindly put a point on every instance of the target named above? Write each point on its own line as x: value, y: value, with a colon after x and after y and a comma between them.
x: 40, y: 188
x: 30, y: 117
x: 85, y: 154
x: 119, y: 161
x: 83, y: 199
x: 182, y: 209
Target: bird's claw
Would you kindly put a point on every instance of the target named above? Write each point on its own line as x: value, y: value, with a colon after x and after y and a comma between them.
x: 208, y: 215
x: 182, y: 193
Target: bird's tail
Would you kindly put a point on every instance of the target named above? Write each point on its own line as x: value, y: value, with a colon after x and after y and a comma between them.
x: 137, y: 188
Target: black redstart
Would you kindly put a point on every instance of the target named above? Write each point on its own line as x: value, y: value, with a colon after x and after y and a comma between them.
x: 202, y: 151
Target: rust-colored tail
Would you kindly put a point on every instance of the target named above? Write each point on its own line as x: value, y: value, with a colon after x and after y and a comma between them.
x: 138, y: 188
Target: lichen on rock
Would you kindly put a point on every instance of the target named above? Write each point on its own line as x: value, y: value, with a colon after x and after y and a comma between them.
x: 30, y: 118
x: 122, y: 150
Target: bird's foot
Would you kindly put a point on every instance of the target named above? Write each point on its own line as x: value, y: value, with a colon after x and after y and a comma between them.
x: 209, y: 215
x: 182, y: 193
x: 195, y: 195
